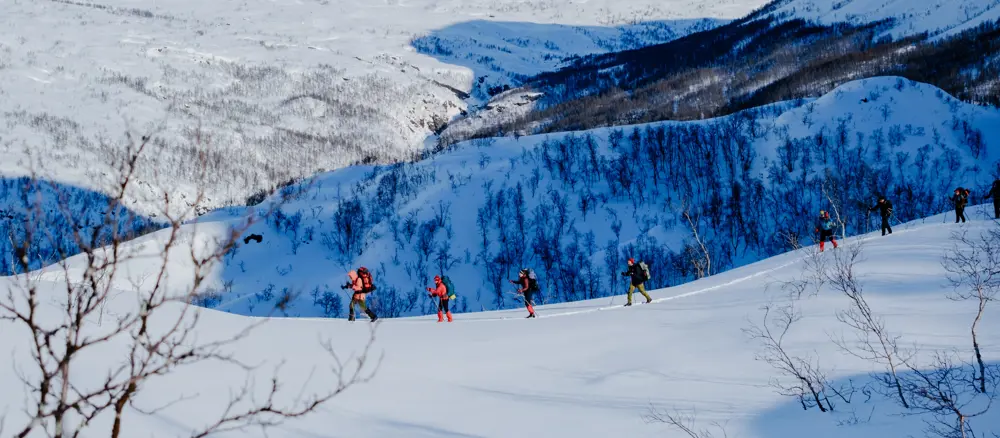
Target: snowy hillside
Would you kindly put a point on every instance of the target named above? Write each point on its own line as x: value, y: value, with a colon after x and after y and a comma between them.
x: 935, y: 17
x: 273, y: 90
x: 574, y: 206
x: 586, y: 369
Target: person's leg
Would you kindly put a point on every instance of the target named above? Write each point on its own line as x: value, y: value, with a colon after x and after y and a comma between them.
x: 833, y: 240
x: 958, y: 214
x: 996, y: 209
x: 441, y: 306
x: 350, y: 312
x: 447, y: 308
x: 642, y: 290
x: 961, y: 213
x: 631, y: 288
x: 368, y: 311
x: 529, y: 304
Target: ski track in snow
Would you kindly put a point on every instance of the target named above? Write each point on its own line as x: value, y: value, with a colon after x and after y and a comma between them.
x: 851, y: 240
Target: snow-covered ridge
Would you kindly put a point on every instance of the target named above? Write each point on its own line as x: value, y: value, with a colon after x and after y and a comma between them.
x: 278, y: 89
x: 573, y: 206
x: 935, y: 17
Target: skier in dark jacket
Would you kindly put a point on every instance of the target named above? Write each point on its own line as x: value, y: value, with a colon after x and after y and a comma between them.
x: 638, y: 281
x: 527, y: 288
x: 885, y: 209
x: 824, y: 226
x: 960, y: 199
x: 995, y: 194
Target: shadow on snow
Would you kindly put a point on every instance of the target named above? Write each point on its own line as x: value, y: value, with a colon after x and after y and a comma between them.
x: 874, y: 414
x: 61, y: 208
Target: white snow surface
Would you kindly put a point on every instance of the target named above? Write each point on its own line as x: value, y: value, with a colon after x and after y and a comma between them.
x: 936, y: 17
x: 282, y: 88
x: 585, y: 369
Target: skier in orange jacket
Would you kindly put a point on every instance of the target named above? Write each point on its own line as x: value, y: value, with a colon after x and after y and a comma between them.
x: 442, y: 292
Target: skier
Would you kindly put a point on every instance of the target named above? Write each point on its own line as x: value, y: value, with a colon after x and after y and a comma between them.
x: 441, y: 291
x: 960, y: 199
x: 885, y: 208
x: 638, y: 277
x: 361, y: 287
x: 527, y: 287
x: 824, y: 226
x: 995, y: 193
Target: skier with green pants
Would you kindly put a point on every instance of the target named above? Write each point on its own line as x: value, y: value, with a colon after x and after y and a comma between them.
x: 638, y: 281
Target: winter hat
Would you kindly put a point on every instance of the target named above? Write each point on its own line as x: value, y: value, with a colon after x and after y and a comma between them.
x: 437, y: 278
x: 631, y: 260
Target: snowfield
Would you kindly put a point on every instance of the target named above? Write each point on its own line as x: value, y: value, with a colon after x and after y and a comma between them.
x: 584, y: 369
x: 280, y: 89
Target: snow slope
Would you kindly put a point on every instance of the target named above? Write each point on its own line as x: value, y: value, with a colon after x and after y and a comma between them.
x: 935, y: 17
x: 435, y: 215
x: 278, y: 89
x: 586, y: 369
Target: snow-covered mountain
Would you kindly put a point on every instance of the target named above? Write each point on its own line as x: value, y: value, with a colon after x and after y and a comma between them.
x: 585, y: 369
x: 910, y: 17
x: 574, y: 206
x: 274, y: 90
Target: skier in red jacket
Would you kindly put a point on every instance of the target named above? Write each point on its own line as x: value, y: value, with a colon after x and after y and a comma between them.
x: 441, y: 291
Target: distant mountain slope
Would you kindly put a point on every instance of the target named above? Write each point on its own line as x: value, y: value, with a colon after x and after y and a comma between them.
x: 272, y: 90
x: 910, y: 17
x: 760, y: 59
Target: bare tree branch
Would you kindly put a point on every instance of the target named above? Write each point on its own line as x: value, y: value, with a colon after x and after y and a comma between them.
x: 973, y: 266
x: 684, y: 423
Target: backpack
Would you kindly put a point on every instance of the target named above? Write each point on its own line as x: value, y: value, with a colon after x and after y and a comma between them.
x: 449, y: 287
x: 963, y: 196
x: 367, y: 285
x: 532, y: 280
x: 645, y: 271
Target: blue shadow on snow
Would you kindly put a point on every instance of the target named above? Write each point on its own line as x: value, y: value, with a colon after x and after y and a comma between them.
x: 59, y: 209
x: 874, y: 416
